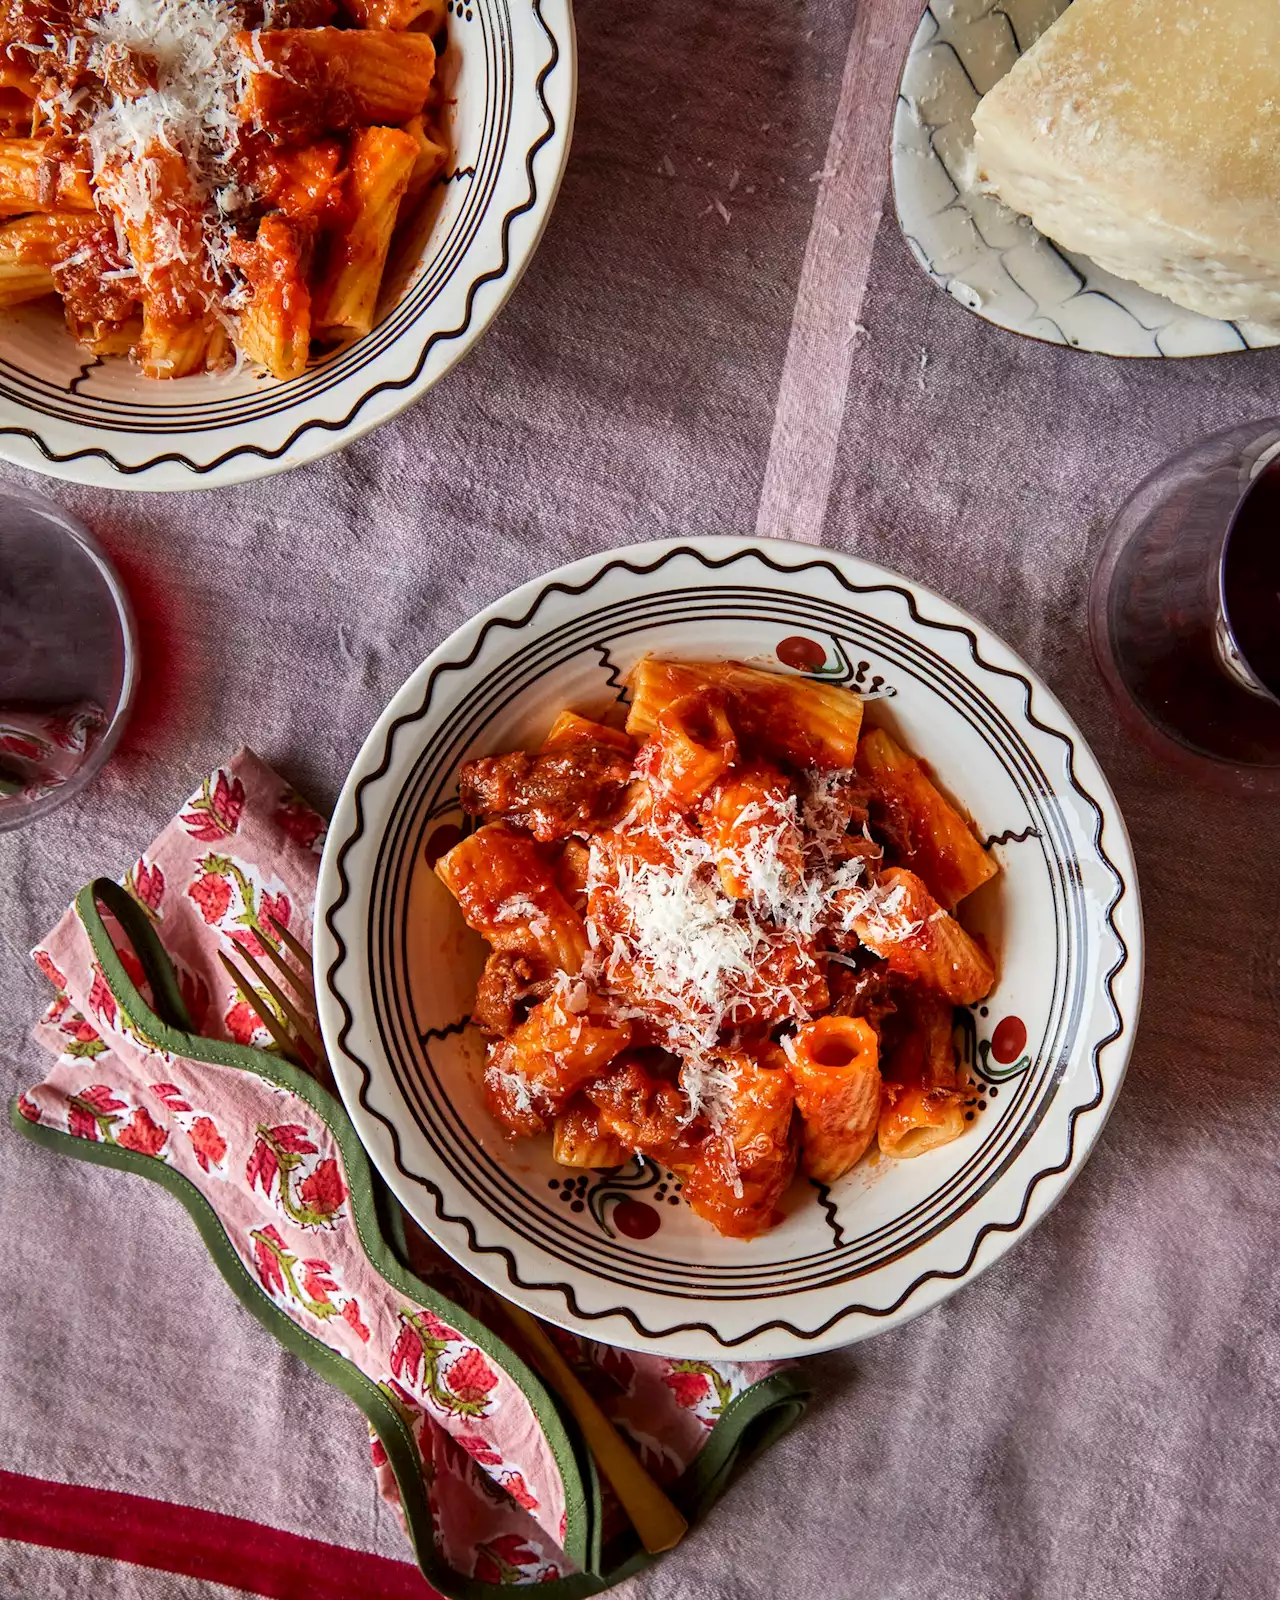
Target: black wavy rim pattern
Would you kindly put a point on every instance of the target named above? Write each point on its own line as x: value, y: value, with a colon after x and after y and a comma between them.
x: 387, y: 386
x: 565, y: 1290
x: 453, y: 1140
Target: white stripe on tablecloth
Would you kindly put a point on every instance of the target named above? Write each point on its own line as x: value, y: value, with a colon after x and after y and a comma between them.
x: 833, y: 280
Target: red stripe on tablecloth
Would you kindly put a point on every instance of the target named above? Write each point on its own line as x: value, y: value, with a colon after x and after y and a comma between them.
x: 198, y: 1544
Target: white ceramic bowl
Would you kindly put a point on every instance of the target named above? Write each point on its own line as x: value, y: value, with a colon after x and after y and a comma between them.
x: 511, y: 72
x: 990, y: 259
x: 397, y: 967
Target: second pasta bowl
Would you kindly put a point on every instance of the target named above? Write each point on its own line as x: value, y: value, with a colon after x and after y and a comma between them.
x: 624, y: 1248
x: 506, y: 79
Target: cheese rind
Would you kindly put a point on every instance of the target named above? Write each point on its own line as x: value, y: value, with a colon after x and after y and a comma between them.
x: 1146, y: 134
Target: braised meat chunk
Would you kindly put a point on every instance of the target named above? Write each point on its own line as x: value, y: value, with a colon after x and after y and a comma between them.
x: 507, y: 983
x: 553, y: 793
x: 866, y: 992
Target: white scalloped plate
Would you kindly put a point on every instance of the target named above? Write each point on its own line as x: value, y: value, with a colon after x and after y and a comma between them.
x: 511, y: 71
x: 617, y: 1255
x: 990, y: 259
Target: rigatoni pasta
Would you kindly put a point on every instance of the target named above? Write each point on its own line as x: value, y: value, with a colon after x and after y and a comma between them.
x: 35, y: 175
x: 705, y: 953
x: 922, y: 1106
x: 30, y: 249
x: 275, y: 323
x: 248, y: 178
x: 835, y: 1065
x: 580, y: 1140
x: 306, y: 81
x: 798, y: 720
x: 508, y: 893
x: 346, y: 294
x: 934, y: 839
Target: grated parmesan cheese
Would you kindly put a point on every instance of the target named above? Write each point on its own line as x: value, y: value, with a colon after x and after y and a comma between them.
x: 698, y: 956
x: 672, y: 948
x: 515, y: 1086
x: 519, y: 908
x: 190, y: 53
x: 572, y: 994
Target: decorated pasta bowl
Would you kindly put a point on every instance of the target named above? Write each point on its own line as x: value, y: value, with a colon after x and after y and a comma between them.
x: 727, y: 948
x: 238, y: 234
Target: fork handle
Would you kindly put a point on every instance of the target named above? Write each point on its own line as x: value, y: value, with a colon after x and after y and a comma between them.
x: 657, y: 1521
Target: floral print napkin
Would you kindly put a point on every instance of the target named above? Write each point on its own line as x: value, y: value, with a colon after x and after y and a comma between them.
x: 161, y: 1068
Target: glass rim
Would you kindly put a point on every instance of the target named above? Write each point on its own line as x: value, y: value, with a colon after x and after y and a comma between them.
x: 1233, y: 657
x: 64, y: 523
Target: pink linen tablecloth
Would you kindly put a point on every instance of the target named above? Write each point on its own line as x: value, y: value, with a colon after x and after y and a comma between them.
x: 1097, y: 1417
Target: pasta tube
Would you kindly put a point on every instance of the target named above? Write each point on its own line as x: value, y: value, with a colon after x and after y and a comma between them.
x: 275, y: 325
x: 428, y: 165
x: 922, y: 1107
x: 695, y: 744
x: 428, y: 14
x: 755, y: 835
x: 902, y: 923
x: 35, y: 177
x: 570, y: 729
x: 160, y: 213
x: 507, y: 892
x: 937, y: 843
x: 579, y: 1140
x: 798, y: 720
x: 747, y: 1163
x: 307, y: 81
x: 346, y: 295
x: 30, y: 249
x: 834, y: 1065
x: 546, y: 1060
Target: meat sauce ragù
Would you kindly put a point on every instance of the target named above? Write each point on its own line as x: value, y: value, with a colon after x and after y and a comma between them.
x: 704, y: 952
x: 202, y: 181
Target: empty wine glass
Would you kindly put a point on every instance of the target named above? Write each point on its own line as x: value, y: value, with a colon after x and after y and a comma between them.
x: 68, y: 657
x: 1184, y: 610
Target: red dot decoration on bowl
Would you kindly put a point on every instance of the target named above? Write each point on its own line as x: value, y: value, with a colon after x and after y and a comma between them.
x: 805, y: 655
x: 1009, y: 1040
x: 636, y: 1219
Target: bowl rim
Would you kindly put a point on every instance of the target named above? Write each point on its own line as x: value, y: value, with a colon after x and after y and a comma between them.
x: 775, y: 1338
x: 315, y: 436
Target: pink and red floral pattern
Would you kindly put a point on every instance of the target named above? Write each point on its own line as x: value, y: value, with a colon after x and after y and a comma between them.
x: 296, y: 818
x: 213, y: 812
x: 280, y: 1152
x: 146, y: 884
x: 207, y: 1143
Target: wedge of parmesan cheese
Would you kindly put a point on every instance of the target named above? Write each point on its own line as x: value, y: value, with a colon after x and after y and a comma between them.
x: 1146, y: 134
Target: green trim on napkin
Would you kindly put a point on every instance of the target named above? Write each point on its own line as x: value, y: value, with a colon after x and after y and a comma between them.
x: 749, y: 1424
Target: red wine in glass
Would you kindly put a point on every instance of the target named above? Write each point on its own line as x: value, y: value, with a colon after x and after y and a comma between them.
x: 1251, y: 585
x: 1184, y: 611
x: 68, y: 661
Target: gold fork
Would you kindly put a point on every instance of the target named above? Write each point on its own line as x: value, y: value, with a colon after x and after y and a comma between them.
x: 658, y: 1522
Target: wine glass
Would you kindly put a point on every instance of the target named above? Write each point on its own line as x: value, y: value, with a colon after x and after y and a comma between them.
x: 1184, y: 610
x: 68, y: 657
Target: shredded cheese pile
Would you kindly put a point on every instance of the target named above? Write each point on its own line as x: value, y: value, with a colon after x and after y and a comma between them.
x: 699, y: 953
x: 188, y: 49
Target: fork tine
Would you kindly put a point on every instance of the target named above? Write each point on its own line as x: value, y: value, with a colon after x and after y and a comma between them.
x: 293, y: 1016
x: 299, y: 980
x: 254, y: 1001
x: 297, y: 950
